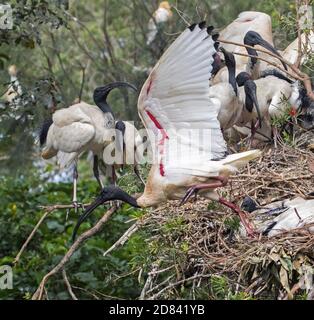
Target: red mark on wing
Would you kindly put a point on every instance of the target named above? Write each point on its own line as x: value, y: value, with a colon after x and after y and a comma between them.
x: 162, y: 169
x: 149, y: 86
x: 162, y: 140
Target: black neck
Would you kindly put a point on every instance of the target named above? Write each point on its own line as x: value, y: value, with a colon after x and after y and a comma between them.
x: 252, y: 52
x: 102, y: 104
x: 249, y: 103
x: 232, y: 76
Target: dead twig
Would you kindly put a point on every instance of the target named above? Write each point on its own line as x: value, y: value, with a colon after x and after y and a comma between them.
x: 82, y: 238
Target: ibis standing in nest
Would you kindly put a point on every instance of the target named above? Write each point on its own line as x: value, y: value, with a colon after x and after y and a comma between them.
x: 175, y: 106
x: 79, y: 128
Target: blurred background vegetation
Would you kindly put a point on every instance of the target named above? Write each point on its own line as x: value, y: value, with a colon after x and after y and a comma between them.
x: 63, y: 50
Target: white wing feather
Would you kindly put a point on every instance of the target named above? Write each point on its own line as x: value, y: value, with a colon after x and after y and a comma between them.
x: 176, y: 96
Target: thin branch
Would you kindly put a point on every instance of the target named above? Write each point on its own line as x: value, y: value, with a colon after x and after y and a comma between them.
x: 48, y: 210
x: 43, y: 217
x: 82, y: 238
x: 299, y: 57
x: 125, y: 237
x: 68, y: 285
x: 299, y: 74
x: 271, y: 63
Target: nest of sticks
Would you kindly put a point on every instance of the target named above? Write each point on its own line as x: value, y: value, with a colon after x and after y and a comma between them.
x: 199, y: 252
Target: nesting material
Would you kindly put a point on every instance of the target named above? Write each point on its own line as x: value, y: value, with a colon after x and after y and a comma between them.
x: 200, y: 241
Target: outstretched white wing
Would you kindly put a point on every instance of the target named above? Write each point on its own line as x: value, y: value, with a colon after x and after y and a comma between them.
x: 174, y: 103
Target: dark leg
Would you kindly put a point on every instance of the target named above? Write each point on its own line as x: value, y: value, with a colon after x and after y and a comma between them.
x: 222, y: 181
x: 113, y: 175
x: 96, y: 172
x: 137, y: 172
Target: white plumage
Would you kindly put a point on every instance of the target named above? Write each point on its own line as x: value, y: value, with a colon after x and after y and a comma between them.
x: 174, y: 97
x: 161, y: 15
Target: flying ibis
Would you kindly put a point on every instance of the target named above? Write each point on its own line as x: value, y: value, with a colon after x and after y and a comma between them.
x: 175, y: 106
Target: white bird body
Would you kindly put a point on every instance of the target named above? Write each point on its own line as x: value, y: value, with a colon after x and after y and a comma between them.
x: 307, y: 46
x: 181, y: 120
x: 76, y: 129
x: 230, y: 105
x: 299, y: 214
x: 272, y: 95
x: 161, y: 15
x: 14, y: 88
x: 174, y: 97
x: 235, y: 32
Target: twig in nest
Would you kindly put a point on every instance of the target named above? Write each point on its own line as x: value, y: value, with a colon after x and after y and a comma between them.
x: 125, y: 237
x: 86, y: 235
x: 149, y: 280
x: 174, y: 284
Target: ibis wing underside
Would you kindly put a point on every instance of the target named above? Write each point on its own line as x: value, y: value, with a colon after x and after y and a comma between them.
x: 175, y: 106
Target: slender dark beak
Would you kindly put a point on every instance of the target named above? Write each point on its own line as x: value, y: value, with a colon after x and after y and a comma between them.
x: 270, y: 48
x: 107, y: 88
x: 107, y: 194
x: 250, y: 89
x: 231, y: 66
x: 99, y: 201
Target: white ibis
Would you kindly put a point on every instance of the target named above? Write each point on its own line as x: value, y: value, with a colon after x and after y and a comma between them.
x: 79, y: 128
x: 282, y: 216
x: 273, y: 92
x: 14, y: 88
x: 307, y: 46
x: 231, y: 99
x: 175, y: 107
x: 253, y: 29
x: 128, y: 147
x: 161, y: 15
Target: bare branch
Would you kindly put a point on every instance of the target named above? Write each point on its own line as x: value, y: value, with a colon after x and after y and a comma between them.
x: 82, y: 238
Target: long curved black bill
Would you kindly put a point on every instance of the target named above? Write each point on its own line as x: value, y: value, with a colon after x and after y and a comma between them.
x: 231, y: 66
x: 250, y: 90
x: 89, y: 210
x: 269, y: 47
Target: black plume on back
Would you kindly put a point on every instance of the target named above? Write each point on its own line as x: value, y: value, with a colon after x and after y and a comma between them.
x: 44, y: 131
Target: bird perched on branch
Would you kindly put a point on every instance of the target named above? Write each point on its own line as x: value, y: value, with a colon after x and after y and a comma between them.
x: 79, y: 128
x: 190, y: 152
x: 161, y: 15
x: 14, y: 89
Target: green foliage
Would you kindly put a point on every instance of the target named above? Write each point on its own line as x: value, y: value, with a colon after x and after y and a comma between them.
x: 87, y: 270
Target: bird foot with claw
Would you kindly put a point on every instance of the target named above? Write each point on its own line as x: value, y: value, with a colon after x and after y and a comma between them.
x: 77, y: 206
x: 191, y: 191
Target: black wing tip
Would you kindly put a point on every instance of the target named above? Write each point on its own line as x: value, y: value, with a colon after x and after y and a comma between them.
x: 215, y: 37
x: 269, y: 228
x: 44, y: 131
x: 216, y: 45
x: 210, y: 30
x: 202, y: 24
x: 192, y: 26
